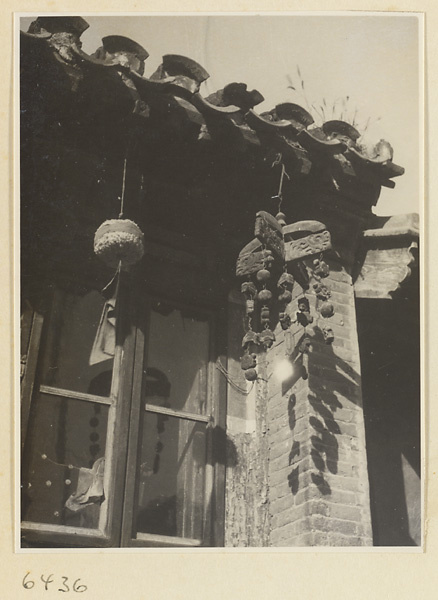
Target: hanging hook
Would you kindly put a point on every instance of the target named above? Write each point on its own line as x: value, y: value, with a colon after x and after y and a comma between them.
x: 283, y: 173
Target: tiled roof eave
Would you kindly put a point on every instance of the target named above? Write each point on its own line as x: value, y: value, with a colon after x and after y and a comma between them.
x: 182, y: 81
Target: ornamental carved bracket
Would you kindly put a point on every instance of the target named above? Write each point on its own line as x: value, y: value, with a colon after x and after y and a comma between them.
x: 290, y: 244
x: 389, y: 256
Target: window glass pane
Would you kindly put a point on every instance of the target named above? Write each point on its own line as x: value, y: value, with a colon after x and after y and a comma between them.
x: 62, y: 481
x: 79, y: 348
x: 170, y: 476
x: 177, y: 355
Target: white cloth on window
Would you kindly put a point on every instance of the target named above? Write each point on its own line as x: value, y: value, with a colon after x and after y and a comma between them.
x: 105, y: 341
x: 89, y: 489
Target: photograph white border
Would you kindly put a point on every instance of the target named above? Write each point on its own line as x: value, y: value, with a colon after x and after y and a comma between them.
x: 429, y: 448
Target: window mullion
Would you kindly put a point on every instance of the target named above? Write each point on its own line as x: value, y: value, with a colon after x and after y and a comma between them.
x: 138, y: 365
x: 72, y: 395
x: 179, y: 414
x: 122, y: 389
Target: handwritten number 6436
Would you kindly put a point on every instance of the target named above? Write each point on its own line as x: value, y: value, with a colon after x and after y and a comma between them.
x: 28, y: 583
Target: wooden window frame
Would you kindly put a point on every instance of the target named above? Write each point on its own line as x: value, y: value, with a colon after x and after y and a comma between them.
x: 214, y: 493
x: 105, y: 535
x: 115, y: 522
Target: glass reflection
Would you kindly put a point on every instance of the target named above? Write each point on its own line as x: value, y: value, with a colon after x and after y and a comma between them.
x: 80, y: 343
x: 172, y: 453
x: 179, y: 348
x: 62, y: 483
x: 171, y: 476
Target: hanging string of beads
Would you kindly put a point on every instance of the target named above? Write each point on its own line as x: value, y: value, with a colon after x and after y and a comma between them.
x: 267, y: 336
x: 303, y: 315
x: 285, y: 285
x: 321, y: 269
x: 323, y: 294
x: 257, y: 294
x: 248, y: 362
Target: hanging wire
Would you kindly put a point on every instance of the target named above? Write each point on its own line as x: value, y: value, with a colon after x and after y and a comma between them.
x: 277, y: 159
x: 283, y: 173
x: 45, y: 457
x: 116, y: 274
x: 233, y: 384
x: 280, y: 188
x: 122, y: 199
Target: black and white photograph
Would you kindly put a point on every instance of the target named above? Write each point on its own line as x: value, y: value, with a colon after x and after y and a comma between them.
x: 219, y: 295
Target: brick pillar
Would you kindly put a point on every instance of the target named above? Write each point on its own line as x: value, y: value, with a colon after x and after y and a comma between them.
x: 318, y: 478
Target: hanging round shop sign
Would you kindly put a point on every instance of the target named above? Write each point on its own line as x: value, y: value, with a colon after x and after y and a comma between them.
x: 119, y: 242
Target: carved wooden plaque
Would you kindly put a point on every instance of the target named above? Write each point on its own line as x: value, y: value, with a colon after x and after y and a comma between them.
x: 315, y: 243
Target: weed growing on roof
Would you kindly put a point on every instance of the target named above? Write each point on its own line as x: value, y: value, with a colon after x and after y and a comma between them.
x: 324, y: 110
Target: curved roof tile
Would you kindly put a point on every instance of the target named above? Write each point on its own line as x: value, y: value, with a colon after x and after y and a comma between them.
x: 336, y: 128
x: 316, y: 143
x: 174, y: 64
x: 120, y: 43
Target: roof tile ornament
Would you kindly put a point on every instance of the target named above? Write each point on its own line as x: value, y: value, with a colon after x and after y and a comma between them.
x: 117, y: 49
x: 182, y: 74
x: 60, y: 33
x: 236, y: 94
x: 342, y: 131
x: 298, y: 116
x: 44, y: 25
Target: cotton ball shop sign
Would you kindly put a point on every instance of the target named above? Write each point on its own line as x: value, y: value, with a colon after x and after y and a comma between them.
x: 119, y: 242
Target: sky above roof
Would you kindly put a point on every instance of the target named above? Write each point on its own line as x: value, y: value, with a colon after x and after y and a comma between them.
x: 365, y: 68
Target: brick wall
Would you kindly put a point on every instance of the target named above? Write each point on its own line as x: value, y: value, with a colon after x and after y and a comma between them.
x: 317, y: 477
